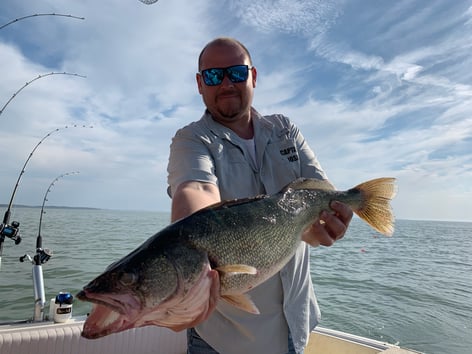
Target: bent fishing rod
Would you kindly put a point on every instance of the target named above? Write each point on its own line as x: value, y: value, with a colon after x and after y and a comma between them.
x: 42, y: 256
x: 12, y: 230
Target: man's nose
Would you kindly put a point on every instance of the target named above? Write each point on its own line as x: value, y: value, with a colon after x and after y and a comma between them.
x: 226, y: 81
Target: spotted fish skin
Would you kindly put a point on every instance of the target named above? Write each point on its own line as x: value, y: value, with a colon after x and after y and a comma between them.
x: 165, y: 281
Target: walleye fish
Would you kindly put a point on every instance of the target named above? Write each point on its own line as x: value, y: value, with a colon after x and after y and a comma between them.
x: 165, y: 281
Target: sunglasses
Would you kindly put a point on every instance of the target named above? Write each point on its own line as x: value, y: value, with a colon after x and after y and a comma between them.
x: 235, y: 73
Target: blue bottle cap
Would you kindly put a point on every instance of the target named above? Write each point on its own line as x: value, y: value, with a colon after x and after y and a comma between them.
x: 64, y: 298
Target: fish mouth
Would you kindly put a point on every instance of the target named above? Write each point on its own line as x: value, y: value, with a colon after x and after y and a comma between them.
x: 111, y: 313
x: 125, y: 304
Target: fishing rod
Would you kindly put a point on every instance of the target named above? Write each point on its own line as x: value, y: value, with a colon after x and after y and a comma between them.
x: 36, y: 78
x: 41, y: 257
x: 11, y: 230
x: 36, y: 15
x: 39, y: 240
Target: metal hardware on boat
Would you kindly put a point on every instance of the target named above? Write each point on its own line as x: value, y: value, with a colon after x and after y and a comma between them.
x: 41, y: 257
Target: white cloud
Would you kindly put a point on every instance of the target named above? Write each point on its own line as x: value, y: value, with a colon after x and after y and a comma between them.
x: 307, y: 17
x: 382, y: 90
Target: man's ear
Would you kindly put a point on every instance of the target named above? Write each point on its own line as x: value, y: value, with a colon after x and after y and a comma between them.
x: 198, y: 77
x: 254, y: 76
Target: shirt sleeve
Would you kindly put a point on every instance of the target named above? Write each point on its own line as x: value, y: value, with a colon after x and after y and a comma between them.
x: 309, y: 164
x: 189, y: 160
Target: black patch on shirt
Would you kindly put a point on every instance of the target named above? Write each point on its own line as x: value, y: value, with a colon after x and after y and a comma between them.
x: 290, y: 153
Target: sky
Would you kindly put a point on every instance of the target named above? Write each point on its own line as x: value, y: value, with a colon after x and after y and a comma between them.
x: 378, y: 88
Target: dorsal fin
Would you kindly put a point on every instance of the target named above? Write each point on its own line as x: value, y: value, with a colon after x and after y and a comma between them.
x: 225, y: 204
x: 233, y: 202
x: 310, y: 183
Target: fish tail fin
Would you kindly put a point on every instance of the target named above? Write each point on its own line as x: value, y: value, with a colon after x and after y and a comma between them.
x: 375, y: 206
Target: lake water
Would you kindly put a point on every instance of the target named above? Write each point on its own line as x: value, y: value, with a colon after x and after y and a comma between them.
x: 414, y: 289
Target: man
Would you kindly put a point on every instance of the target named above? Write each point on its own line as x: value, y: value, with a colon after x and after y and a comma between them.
x: 234, y: 152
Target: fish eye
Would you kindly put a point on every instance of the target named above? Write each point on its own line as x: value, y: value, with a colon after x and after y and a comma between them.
x: 128, y: 278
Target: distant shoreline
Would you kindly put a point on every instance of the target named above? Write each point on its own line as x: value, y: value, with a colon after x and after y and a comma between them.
x: 48, y: 207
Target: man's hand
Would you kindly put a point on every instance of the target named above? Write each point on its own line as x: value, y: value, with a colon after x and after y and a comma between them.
x: 330, y: 226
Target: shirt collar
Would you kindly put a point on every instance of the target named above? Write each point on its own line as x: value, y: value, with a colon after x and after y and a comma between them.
x: 220, y: 130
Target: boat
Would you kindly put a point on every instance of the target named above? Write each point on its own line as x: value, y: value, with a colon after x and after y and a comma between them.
x: 48, y: 337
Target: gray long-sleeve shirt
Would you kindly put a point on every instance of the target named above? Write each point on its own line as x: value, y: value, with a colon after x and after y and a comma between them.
x: 207, y: 151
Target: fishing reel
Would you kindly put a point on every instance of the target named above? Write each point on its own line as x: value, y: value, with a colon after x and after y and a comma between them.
x: 41, y: 256
x: 11, y: 231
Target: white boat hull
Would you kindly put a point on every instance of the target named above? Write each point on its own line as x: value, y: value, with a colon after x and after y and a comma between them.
x: 65, y: 338
x: 62, y: 338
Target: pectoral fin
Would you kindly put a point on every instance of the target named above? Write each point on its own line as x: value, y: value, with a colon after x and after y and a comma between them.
x: 243, y: 302
x: 230, y: 269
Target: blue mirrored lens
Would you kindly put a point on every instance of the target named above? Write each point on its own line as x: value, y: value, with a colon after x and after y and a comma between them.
x: 237, y: 73
x: 214, y: 76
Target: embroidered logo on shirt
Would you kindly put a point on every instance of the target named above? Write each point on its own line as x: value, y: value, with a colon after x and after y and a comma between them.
x: 291, y: 153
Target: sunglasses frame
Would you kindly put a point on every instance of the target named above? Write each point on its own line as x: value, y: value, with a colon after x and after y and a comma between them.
x: 225, y: 72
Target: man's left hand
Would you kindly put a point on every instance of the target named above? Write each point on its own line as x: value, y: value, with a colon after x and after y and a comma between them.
x: 330, y: 226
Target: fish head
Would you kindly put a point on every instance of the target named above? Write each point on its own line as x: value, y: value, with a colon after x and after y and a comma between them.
x: 126, y: 289
x: 165, y: 287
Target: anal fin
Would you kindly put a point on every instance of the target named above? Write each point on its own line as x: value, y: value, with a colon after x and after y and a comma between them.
x: 243, y: 302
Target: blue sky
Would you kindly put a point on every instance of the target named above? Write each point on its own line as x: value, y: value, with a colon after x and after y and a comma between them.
x: 378, y: 88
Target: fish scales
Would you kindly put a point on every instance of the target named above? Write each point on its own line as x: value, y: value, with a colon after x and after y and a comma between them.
x: 262, y: 232
x: 165, y: 281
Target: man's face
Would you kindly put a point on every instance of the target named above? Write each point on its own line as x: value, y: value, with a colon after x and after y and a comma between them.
x: 228, y: 101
